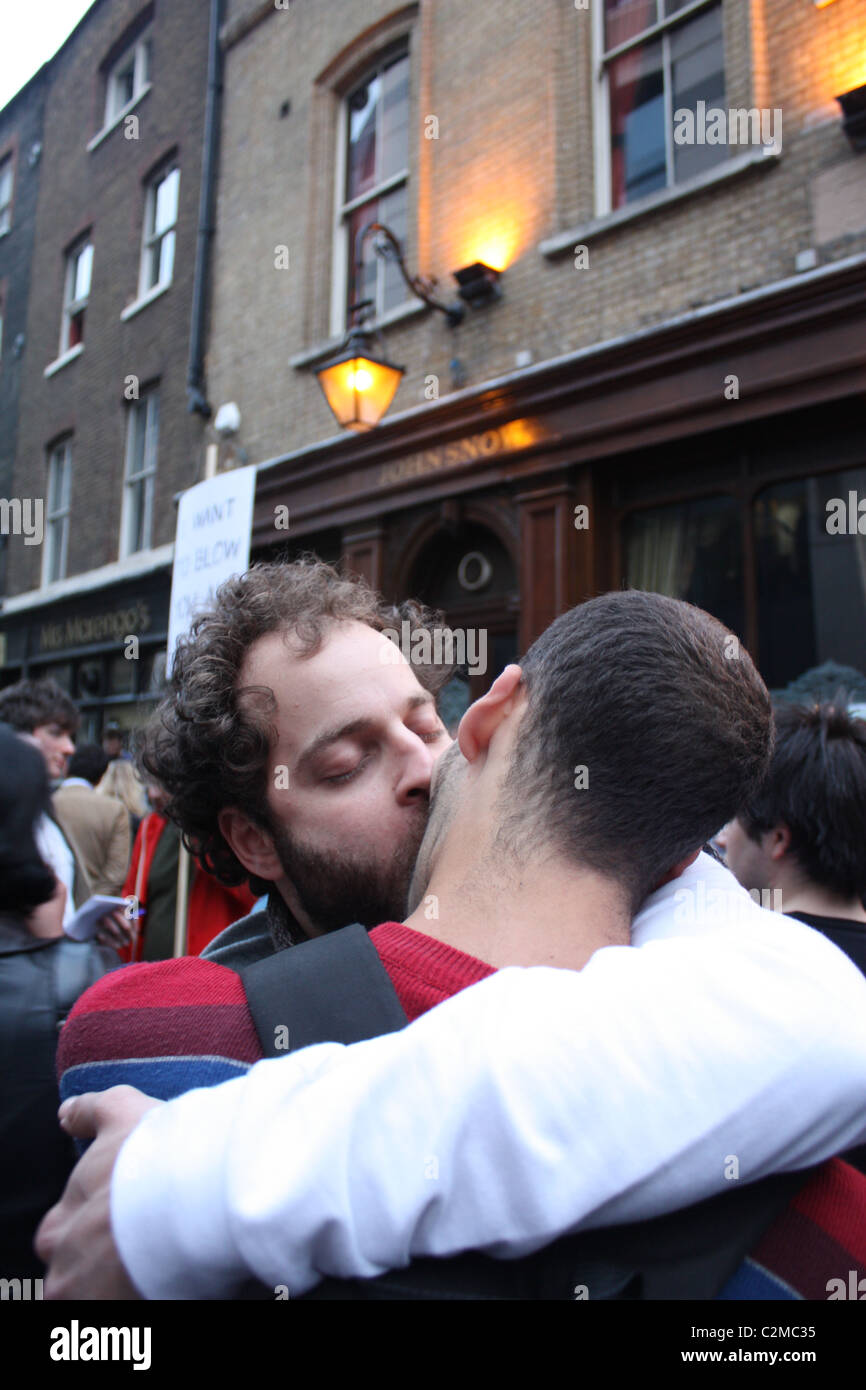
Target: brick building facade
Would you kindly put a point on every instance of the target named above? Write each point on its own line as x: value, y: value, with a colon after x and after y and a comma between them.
x: 20, y: 162
x: 679, y: 342
x: 667, y: 392
x: 105, y: 436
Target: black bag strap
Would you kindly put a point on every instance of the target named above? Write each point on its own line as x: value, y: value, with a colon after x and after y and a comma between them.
x: 333, y: 988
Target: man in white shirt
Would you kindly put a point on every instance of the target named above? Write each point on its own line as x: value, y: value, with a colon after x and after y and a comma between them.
x: 647, y: 1033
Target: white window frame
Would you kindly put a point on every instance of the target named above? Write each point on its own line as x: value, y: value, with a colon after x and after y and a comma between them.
x: 140, y: 52
x: 57, y: 509
x: 150, y: 239
x: 601, y: 58
x: 6, y: 163
x: 145, y: 478
x: 344, y: 209
x: 71, y: 304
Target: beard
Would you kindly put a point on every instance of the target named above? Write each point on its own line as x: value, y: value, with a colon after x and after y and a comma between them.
x: 335, y: 889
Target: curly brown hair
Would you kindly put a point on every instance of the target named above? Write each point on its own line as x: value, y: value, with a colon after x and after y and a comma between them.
x: 209, y: 749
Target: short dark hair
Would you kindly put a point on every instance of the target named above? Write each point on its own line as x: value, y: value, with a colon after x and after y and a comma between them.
x: 31, y: 703
x: 664, y: 710
x: 25, y: 880
x: 88, y: 761
x: 816, y: 786
x: 207, y: 747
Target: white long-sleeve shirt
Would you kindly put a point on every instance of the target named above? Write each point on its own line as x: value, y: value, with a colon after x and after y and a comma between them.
x: 535, y: 1102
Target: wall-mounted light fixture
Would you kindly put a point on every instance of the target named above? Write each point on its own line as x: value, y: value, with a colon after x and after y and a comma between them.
x: 853, y: 106
x: 477, y: 283
x: 359, y: 382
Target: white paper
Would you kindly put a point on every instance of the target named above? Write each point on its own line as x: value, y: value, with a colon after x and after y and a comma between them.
x: 88, y: 917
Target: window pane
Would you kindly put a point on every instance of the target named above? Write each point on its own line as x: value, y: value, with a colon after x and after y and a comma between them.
x: 395, y: 119
x: 136, y: 515
x: 152, y: 259
x: 361, y: 155
x: 395, y: 210
x: 693, y: 551
x: 638, y: 164
x: 698, y: 74
x: 125, y: 84
x: 165, y: 209
x: 152, y: 408
x: 54, y: 491
x: 137, y: 434
x: 623, y: 19
x: 671, y: 6
x: 811, y: 580
x: 166, y: 258
x: 52, y: 566
x: 81, y: 273
x: 368, y: 212
x: 5, y: 181
x: 121, y: 676
x: 76, y: 329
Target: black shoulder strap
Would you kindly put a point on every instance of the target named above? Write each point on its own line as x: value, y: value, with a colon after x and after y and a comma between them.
x: 333, y: 988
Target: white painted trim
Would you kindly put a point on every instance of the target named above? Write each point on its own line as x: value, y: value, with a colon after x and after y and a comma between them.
x: 600, y: 114
x: 137, y: 305
x: 339, y: 248
x: 121, y: 115
x: 760, y: 157
x: 143, y: 562
x: 64, y: 358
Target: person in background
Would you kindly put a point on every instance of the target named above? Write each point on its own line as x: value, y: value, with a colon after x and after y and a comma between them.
x: 96, y: 827
x: 152, y: 879
x: 42, y: 973
x: 121, y: 782
x: 804, y: 832
x: 112, y: 742
x: 42, y: 713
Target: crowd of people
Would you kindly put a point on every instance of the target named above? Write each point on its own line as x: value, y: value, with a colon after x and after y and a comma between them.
x: 487, y: 996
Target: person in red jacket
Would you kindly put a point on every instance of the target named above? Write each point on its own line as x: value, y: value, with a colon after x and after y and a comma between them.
x: 152, y: 879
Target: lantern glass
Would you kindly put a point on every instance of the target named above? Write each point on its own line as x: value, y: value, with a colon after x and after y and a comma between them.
x: 359, y: 390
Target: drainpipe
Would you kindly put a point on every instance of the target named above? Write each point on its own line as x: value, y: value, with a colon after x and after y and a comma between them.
x: 196, y: 400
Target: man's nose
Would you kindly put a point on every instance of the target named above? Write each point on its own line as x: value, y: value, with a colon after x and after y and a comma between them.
x: 722, y: 838
x: 417, y: 762
x: 67, y: 747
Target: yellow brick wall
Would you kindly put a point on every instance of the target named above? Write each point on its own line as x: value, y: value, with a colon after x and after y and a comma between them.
x: 511, y: 84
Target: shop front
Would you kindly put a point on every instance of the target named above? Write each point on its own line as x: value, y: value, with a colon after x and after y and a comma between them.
x: 105, y: 648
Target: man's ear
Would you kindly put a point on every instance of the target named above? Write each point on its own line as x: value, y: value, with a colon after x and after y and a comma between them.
x: 252, y: 845
x: 483, y: 718
x: 776, y: 842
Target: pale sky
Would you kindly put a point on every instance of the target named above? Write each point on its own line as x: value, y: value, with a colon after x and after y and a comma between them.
x: 31, y: 31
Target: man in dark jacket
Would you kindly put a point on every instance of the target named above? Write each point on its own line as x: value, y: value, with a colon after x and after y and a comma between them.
x: 42, y: 973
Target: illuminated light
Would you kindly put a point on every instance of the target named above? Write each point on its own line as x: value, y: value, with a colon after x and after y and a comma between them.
x: 357, y: 384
